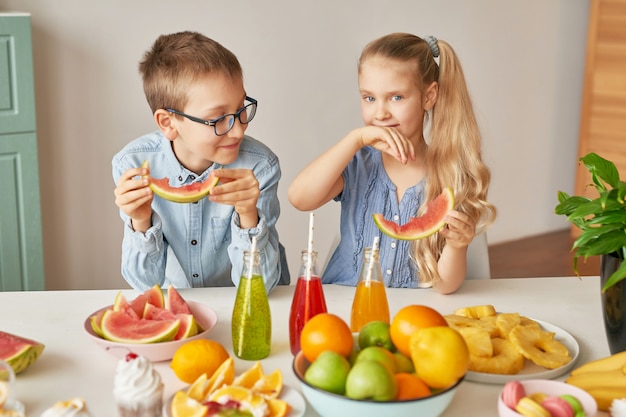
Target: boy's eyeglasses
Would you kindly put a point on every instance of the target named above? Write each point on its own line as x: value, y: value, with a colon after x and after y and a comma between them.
x: 223, y: 124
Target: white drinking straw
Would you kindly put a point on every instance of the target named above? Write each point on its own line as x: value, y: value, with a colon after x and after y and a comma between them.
x: 370, y: 266
x: 309, y: 267
x: 252, y: 253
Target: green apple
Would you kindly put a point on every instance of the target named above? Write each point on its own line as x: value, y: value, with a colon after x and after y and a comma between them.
x: 378, y: 354
x: 328, y: 372
x: 371, y: 380
x: 404, y: 363
x: 376, y: 333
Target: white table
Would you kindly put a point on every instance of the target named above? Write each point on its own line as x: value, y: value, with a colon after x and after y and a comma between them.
x: 73, y: 365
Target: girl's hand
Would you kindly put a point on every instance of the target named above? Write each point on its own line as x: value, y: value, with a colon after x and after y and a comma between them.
x: 134, y: 197
x: 238, y: 188
x: 459, y: 231
x: 388, y: 140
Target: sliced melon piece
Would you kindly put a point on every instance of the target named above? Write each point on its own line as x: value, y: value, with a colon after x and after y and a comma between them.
x: 189, y: 193
x: 153, y: 295
x: 175, y: 302
x: 120, y: 327
x: 188, y: 326
x: 96, y: 321
x: 151, y: 312
x: 422, y: 226
x: 19, y: 352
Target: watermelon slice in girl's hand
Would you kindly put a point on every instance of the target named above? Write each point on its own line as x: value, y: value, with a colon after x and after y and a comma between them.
x: 423, y: 226
x: 19, y: 352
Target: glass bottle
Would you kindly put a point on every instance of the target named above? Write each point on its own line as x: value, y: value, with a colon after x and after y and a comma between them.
x: 251, y: 320
x: 308, y: 299
x: 370, y: 298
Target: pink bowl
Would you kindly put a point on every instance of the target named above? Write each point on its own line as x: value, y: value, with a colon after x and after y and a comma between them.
x: 156, y: 352
x: 551, y: 387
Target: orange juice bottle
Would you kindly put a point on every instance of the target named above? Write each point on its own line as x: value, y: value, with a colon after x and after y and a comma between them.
x: 370, y: 299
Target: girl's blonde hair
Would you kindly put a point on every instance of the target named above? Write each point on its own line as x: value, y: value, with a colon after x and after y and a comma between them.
x: 453, y: 158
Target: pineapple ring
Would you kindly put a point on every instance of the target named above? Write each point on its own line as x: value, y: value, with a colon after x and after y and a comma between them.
x: 506, y: 360
x: 539, y: 346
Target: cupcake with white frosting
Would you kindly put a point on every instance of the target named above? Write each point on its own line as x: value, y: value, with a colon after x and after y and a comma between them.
x: 74, y: 407
x: 137, y: 388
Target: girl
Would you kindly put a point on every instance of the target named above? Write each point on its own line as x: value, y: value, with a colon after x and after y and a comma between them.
x: 388, y: 167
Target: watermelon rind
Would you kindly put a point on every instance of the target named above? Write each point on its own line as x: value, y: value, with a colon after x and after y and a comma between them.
x: 119, y: 327
x: 188, y: 326
x: 19, y: 352
x: 430, y: 222
x: 153, y: 295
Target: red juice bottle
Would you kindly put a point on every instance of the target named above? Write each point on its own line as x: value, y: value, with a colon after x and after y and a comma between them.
x: 308, y: 299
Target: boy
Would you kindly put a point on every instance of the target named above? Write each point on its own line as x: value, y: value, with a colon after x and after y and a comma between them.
x: 194, y: 87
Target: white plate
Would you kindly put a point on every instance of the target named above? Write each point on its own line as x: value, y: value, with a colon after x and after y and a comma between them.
x: 291, y: 395
x: 532, y: 371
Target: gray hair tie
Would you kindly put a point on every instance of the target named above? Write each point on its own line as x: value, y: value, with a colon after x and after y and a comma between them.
x: 432, y: 44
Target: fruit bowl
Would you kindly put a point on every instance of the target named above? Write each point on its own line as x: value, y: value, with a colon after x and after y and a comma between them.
x: 156, y: 352
x: 328, y: 404
x: 551, y: 388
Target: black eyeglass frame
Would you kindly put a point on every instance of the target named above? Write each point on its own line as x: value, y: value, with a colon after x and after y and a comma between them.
x: 214, y: 122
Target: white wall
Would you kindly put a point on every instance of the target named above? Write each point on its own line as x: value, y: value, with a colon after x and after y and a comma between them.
x: 523, y: 61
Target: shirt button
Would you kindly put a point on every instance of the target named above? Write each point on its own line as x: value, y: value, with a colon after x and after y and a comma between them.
x: 195, y: 275
x: 388, y: 272
x: 194, y: 242
x: 393, y: 245
x: 396, y: 217
x: 180, y: 178
x: 193, y: 177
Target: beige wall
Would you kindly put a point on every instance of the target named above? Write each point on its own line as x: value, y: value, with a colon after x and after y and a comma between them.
x: 523, y: 62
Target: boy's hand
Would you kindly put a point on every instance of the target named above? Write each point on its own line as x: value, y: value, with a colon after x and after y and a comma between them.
x: 134, y: 197
x: 459, y: 232
x: 238, y: 188
x: 388, y: 140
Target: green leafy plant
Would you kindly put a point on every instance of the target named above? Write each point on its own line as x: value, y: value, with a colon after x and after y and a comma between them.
x: 602, y: 220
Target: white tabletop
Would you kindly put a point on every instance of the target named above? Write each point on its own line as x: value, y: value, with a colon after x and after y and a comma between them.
x: 73, y: 365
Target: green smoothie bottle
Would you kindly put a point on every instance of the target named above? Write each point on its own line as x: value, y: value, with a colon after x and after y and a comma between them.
x: 252, y: 320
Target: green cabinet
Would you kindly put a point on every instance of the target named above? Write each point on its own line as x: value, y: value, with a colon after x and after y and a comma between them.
x: 21, y: 253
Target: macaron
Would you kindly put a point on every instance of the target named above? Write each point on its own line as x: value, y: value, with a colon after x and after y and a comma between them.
x: 557, y: 407
x: 512, y: 392
x: 531, y: 408
x: 575, y: 404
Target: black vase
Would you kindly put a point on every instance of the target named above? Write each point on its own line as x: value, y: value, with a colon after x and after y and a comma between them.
x: 613, y: 307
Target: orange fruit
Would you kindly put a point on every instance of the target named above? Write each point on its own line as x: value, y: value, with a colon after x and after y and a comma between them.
x: 197, y: 357
x: 269, y: 385
x: 184, y: 406
x: 440, y: 355
x: 198, y: 389
x: 410, y: 318
x: 250, y: 376
x: 325, y: 331
x: 278, y: 408
x: 410, y: 387
x: 224, y: 375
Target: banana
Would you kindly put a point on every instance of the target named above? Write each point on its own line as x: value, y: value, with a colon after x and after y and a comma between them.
x: 614, y: 377
x: 615, y: 361
x: 476, y: 312
x: 604, y: 396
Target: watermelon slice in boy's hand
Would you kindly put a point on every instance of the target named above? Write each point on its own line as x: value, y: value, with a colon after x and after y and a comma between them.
x: 189, y: 193
x: 425, y: 225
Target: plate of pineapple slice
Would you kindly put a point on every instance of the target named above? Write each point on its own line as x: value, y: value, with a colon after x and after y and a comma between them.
x: 507, y: 346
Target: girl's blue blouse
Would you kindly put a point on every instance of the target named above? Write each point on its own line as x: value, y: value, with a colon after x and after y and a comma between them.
x: 368, y: 190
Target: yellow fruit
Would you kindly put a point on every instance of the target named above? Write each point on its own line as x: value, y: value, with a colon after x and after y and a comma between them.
x: 440, y: 355
x: 224, y: 375
x: 184, y: 406
x: 269, y: 385
x: 4, y: 393
x: 197, y: 357
x: 198, y: 389
x: 250, y: 376
x: 278, y: 408
x: 245, y: 396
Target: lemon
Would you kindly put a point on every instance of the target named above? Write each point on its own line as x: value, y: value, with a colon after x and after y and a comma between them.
x: 197, y: 357
x: 440, y: 355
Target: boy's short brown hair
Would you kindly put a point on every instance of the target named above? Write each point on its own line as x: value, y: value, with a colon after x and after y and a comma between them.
x: 177, y: 60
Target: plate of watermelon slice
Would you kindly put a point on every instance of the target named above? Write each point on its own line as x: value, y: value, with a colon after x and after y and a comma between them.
x: 152, y: 324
